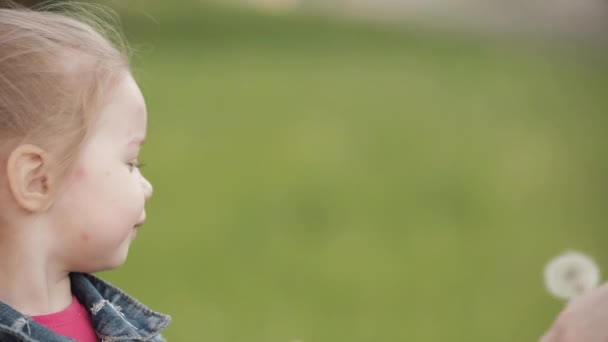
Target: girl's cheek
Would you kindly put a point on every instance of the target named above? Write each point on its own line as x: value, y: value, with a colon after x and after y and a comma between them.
x: 84, y: 236
x: 79, y: 174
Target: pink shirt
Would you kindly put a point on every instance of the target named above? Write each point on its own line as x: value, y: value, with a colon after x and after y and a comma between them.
x: 73, y: 322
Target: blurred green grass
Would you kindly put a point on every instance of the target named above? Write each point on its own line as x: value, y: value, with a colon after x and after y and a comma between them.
x: 325, y: 180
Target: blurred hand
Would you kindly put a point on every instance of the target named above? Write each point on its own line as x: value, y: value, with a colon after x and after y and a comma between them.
x: 585, y: 319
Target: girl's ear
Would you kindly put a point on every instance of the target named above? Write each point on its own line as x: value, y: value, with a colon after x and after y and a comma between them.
x: 29, y: 178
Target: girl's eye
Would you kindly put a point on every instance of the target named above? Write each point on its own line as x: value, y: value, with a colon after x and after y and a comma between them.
x: 135, y: 165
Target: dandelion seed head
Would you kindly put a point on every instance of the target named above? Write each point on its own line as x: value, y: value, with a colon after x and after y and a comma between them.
x: 571, y: 274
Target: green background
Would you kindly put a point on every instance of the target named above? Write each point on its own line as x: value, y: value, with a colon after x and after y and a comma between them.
x: 324, y: 180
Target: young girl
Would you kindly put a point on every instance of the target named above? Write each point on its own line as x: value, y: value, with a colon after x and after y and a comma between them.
x: 72, y: 122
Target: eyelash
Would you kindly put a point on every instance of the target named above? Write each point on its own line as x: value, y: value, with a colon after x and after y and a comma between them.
x: 135, y: 165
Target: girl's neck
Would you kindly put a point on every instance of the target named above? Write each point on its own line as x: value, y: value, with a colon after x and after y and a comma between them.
x: 31, y: 284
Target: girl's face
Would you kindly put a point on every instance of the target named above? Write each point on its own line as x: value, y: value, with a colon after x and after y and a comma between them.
x: 96, y: 217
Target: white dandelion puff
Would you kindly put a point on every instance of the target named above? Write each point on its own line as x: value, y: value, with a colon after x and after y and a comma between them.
x: 571, y: 274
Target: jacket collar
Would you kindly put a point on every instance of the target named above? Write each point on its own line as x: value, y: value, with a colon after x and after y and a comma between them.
x: 129, y: 318
x: 115, y: 314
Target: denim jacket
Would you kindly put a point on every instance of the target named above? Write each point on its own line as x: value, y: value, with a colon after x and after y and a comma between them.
x: 116, y: 316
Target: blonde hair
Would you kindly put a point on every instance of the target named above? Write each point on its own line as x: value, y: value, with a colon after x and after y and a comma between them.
x: 57, y: 67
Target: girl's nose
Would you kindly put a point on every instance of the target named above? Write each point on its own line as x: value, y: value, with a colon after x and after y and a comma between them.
x: 147, y: 188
